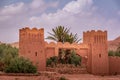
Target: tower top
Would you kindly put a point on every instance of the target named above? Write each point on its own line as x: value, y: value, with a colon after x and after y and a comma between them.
x: 33, y: 30
x: 94, y: 31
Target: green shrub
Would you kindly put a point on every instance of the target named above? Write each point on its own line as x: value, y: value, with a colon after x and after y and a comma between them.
x: 75, y: 59
x: 20, y: 65
x: 114, y: 53
x: 52, y: 61
x: 48, y: 62
x: 117, y: 53
x: 111, y: 53
x: 7, y: 53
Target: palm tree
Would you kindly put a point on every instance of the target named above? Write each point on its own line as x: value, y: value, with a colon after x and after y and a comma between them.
x: 58, y: 34
x: 71, y: 38
x: 62, y: 34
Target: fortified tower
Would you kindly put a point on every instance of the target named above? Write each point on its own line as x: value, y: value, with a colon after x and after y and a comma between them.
x: 97, y: 55
x: 31, y: 42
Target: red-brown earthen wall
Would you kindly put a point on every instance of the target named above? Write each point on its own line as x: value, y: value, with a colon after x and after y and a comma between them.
x: 93, y: 50
x: 50, y: 52
x: 114, y: 65
x: 97, y: 55
x: 31, y: 42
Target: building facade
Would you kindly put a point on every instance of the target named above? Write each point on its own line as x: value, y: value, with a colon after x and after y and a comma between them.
x: 93, y: 49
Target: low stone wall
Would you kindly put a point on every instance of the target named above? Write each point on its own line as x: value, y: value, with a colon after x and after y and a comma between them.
x: 114, y: 65
x: 68, y: 69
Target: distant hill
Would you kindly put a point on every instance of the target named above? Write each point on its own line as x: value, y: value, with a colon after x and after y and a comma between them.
x: 113, y: 44
x: 15, y: 44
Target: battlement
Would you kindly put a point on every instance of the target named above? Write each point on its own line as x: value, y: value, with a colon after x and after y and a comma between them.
x: 66, y: 45
x: 33, y: 30
x: 95, y: 36
x: 94, y: 31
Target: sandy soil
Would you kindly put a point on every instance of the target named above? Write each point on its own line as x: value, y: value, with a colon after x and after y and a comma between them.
x: 69, y: 77
x: 91, y: 77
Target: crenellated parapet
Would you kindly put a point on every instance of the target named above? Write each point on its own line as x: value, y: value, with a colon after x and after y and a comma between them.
x: 95, y: 36
x: 33, y: 34
x: 33, y: 30
x: 65, y: 45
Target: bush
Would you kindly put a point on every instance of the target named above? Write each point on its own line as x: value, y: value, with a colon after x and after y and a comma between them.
x: 117, y: 53
x: 48, y: 62
x: 111, y: 53
x: 75, y: 59
x: 20, y: 65
x: 52, y: 61
x: 114, y: 53
x: 7, y: 53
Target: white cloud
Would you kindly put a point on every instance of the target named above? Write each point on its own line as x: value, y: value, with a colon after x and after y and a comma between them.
x: 78, y: 6
x: 80, y: 15
x: 37, y: 4
x: 118, y: 12
x: 16, y: 15
x: 22, y: 9
x: 12, y: 9
x: 73, y: 13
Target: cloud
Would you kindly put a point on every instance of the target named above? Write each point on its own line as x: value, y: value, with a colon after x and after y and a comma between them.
x: 75, y: 13
x: 16, y: 15
x: 119, y: 13
x: 21, y: 9
x: 12, y: 9
x: 80, y: 15
x: 77, y: 6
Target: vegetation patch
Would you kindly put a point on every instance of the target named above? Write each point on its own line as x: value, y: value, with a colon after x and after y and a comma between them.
x: 10, y: 62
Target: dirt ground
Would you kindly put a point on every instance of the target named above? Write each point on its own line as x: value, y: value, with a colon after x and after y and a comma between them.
x: 91, y: 77
x: 68, y: 76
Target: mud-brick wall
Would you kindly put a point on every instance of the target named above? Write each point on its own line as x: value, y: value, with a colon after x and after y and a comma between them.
x: 114, y: 65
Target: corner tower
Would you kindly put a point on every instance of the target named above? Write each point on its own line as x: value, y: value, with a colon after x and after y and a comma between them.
x: 98, y: 55
x: 31, y: 46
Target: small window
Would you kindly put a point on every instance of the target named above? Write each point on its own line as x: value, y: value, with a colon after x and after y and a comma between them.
x: 99, y: 55
x: 28, y: 51
x: 35, y: 53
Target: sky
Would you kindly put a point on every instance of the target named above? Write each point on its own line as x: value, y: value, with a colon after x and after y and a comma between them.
x: 78, y: 15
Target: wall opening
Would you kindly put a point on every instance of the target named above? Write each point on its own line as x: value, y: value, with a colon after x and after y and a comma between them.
x: 99, y: 55
x: 28, y: 51
x: 35, y: 53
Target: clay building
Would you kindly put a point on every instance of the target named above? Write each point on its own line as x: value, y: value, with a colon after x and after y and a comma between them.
x: 93, y: 49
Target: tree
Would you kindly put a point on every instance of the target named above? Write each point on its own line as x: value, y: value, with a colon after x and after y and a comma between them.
x: 62, y: 34
x: 71, y: 38
x: 20, y: 65
x: 7, y: 53
x: 11, y: 62
x: 58, y: 34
